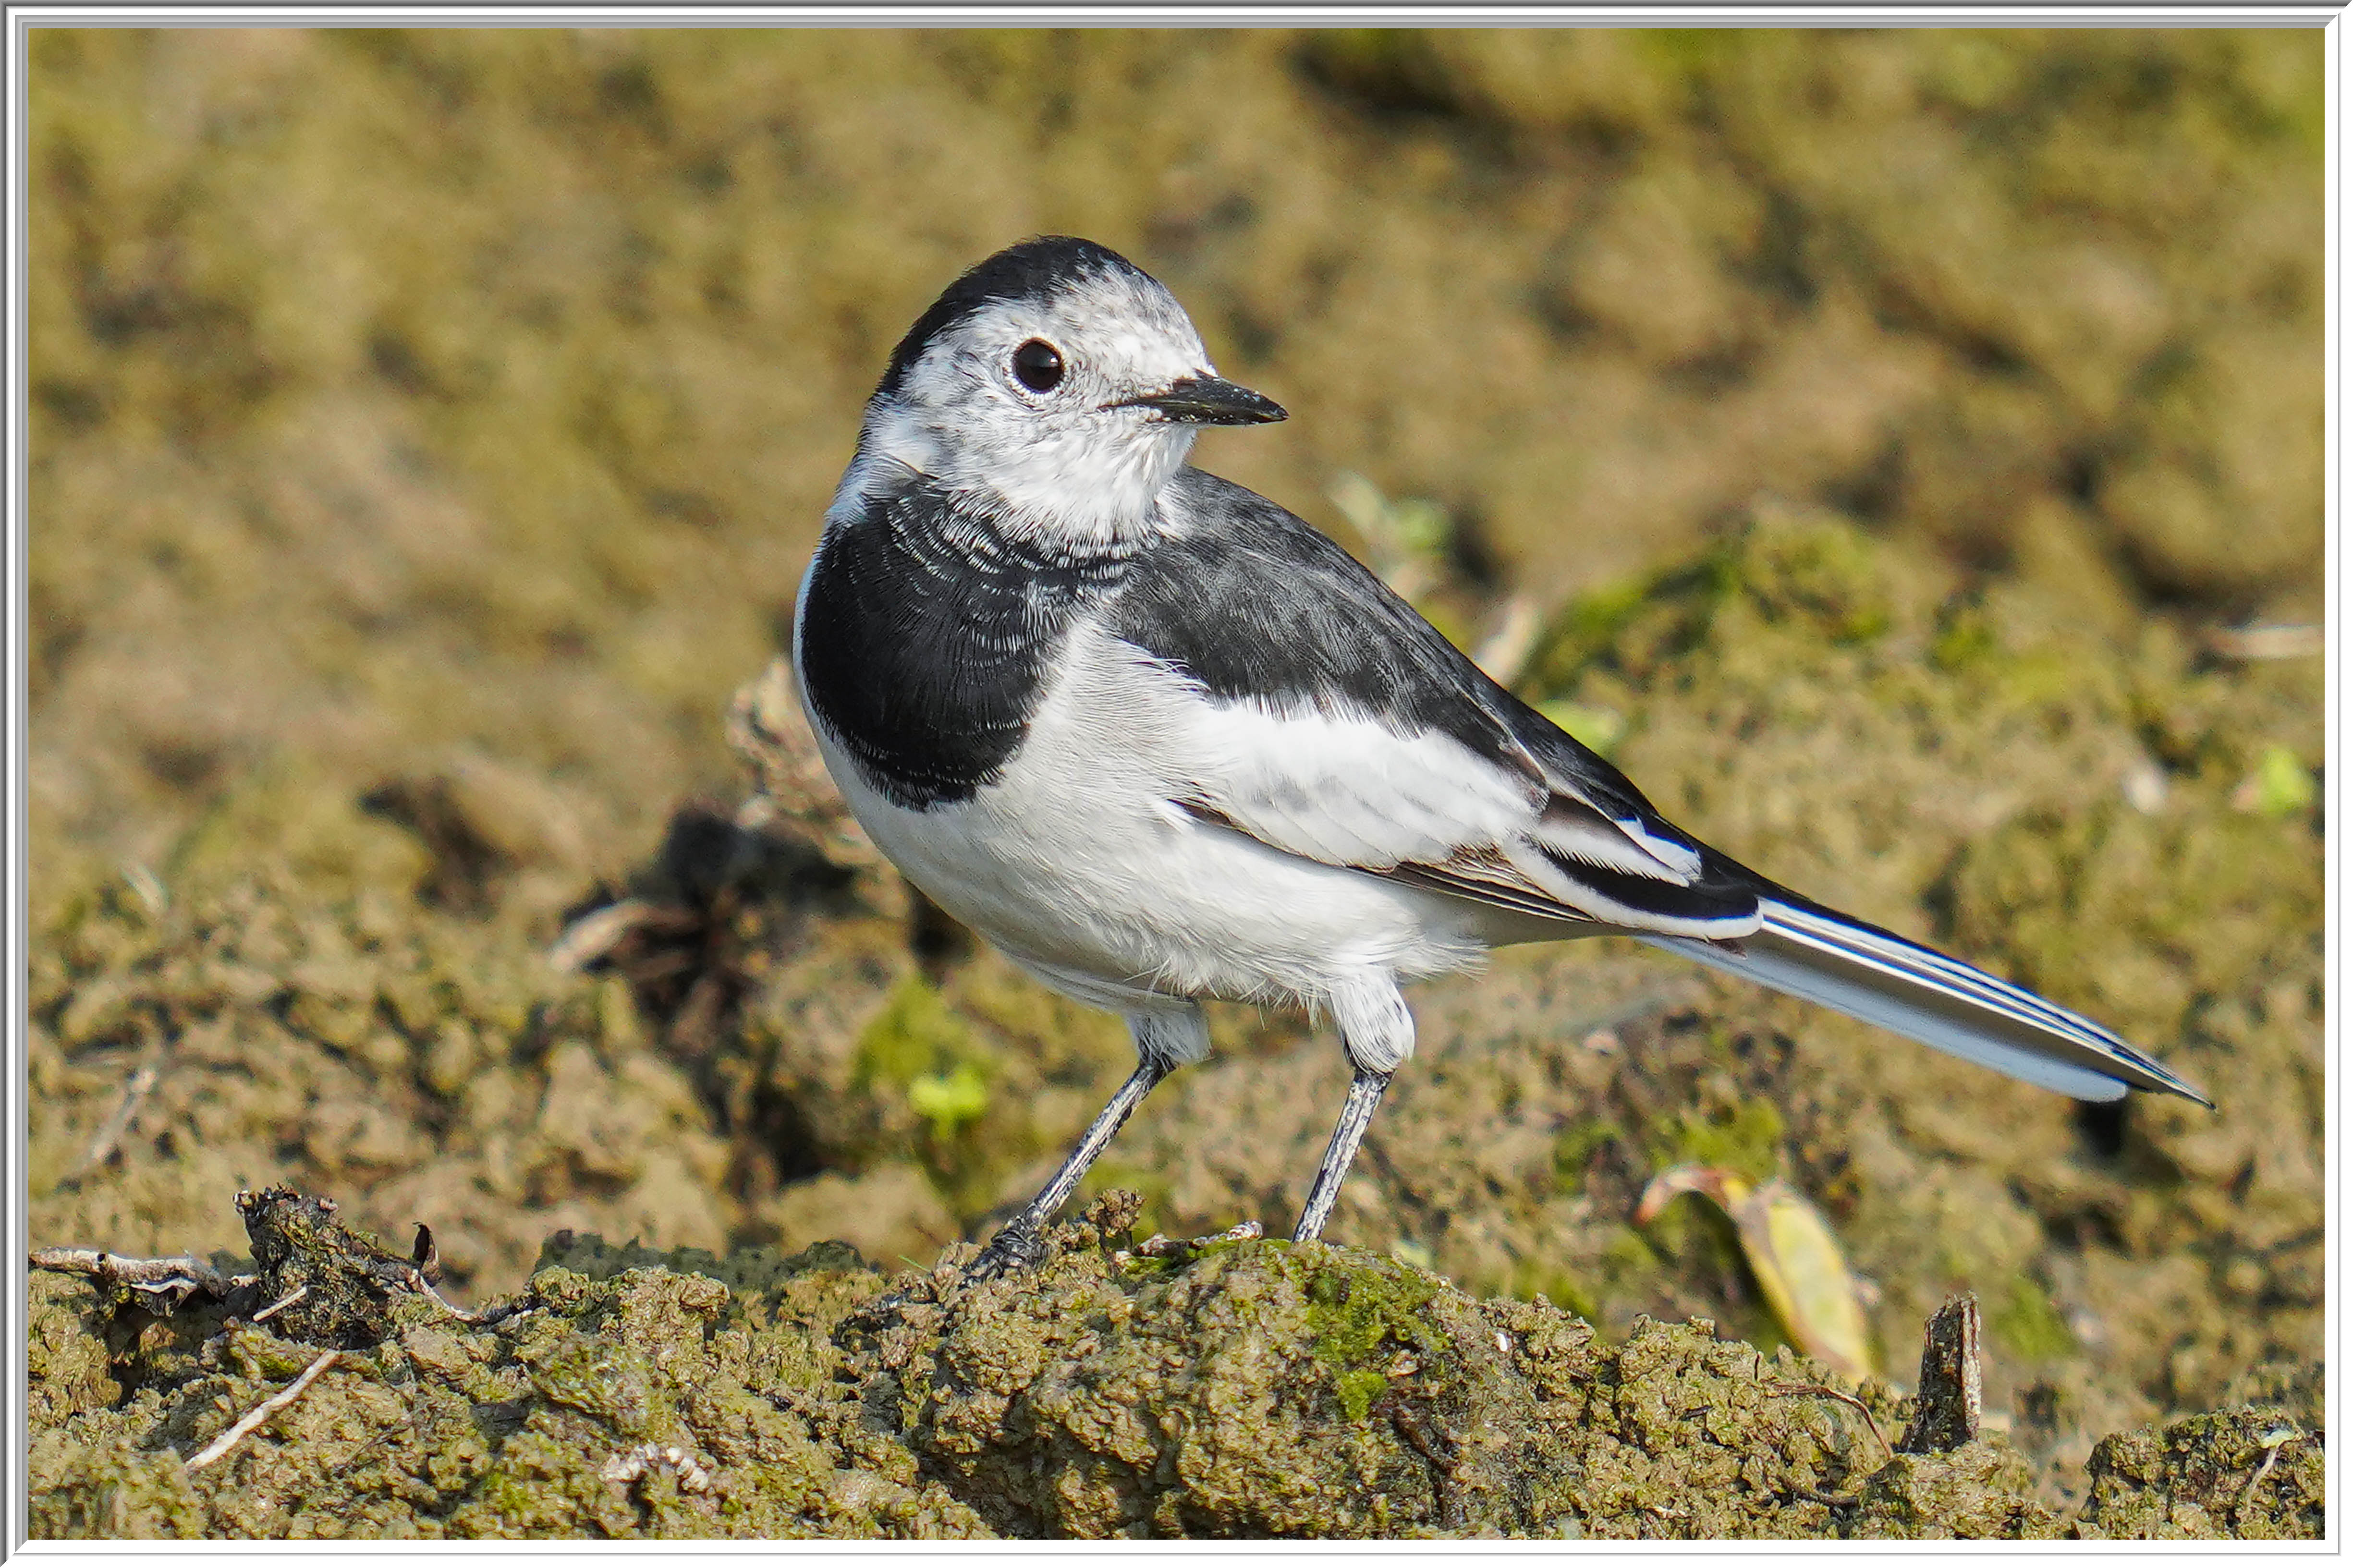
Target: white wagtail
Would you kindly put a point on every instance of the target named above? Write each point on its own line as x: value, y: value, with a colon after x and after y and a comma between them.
x: 1159, y: 739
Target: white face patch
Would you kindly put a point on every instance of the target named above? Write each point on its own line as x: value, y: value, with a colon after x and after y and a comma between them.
x: 1067, y: 459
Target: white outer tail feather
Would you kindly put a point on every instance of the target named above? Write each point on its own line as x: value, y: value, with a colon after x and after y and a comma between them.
x: 1935, y: 1000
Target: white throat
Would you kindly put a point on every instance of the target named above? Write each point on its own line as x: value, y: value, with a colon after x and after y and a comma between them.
x: 1093, y: 477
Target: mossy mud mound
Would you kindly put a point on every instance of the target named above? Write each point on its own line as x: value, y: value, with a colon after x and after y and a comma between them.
x: 1232, y: 1388
x: 774, y: 1046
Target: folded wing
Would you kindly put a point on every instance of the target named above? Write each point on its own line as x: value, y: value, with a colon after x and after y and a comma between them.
x: 1360, y: 737
x: 1347, y: 789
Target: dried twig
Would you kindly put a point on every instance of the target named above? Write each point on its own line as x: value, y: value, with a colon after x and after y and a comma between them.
x: 416, y: 1281
x: 261, y: 1412
x: 1824, y: 1391
x: 1248, y: 1230
x: 144, y: 883
x: 596, y: 934
x: 177, y: 1276
x: 126, y: 1110
x: 2273, y: 1441
x: 280, y: 1304
x: 2264, y: 642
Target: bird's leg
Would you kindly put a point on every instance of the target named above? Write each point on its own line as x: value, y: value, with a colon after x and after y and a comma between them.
x: 1376, y: 1030
x: 1364, y: 1099
x: 1022, y: 1243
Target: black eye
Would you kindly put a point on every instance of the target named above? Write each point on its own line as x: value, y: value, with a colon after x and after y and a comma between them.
x: 1038, y: 366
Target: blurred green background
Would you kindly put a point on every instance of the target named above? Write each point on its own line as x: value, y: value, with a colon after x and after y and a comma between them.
x: 396, y: 392
x: 1871, y: 430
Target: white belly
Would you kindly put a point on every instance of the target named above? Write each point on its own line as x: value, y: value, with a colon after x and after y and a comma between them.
x: 1077, y: 865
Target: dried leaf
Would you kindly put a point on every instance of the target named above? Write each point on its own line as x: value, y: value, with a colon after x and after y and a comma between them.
x: 1791, y: 1248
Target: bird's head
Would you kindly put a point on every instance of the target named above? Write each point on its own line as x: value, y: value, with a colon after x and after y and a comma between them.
x: 1056, y: 383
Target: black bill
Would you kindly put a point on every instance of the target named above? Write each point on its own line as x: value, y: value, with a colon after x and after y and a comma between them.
x: 1207, y: 400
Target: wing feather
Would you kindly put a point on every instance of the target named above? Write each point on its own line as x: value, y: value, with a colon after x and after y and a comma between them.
x: 1425, y: 809
x: 1361, y: 738
x: 1354, y: 734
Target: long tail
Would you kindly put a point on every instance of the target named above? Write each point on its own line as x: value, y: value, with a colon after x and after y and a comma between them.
x: 1876, y: 976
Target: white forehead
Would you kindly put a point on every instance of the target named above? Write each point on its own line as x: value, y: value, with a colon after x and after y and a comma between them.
x: 1107, y: 322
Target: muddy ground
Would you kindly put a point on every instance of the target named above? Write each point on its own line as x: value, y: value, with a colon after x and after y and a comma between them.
x: 429, y: 431
x: 1228, y: 1388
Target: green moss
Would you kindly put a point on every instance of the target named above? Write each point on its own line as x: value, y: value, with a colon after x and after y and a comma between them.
x: 1534, y: 1277
x: 1596, y: 624
x: 1353, y: 1314
x: 925, y: 1052
x: 947, y: 1101
x: 915, y: 1034
x: 2282, y: 784
x: 1693, y: 52
x: 1965, y: 638
x: 1357, y: 1388
x: 569, y: 1262
x: 1353, y: 1310
x: 2033, y: 679
x: 2023, y: 1321
x: 610, y: 1384
x: 1745, y: 1137
x: 1825, y: 570
x: 1574, y: 1147
x: 1977, y: 1492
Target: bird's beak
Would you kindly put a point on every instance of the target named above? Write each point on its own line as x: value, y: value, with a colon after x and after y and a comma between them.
x: 1207, y: 400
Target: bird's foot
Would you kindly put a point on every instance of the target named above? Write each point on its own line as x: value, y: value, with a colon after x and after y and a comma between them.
x: 1011, y: 1251
x: 888, y: 1311
x: 1015, y: 1249
x: 1020, y: 1247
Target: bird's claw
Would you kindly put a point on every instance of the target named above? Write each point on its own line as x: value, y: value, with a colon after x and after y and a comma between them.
x: 1015, y: 1249
x: 885, y: 1311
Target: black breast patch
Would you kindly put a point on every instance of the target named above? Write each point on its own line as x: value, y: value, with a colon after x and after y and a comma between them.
x: 926, y: 638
